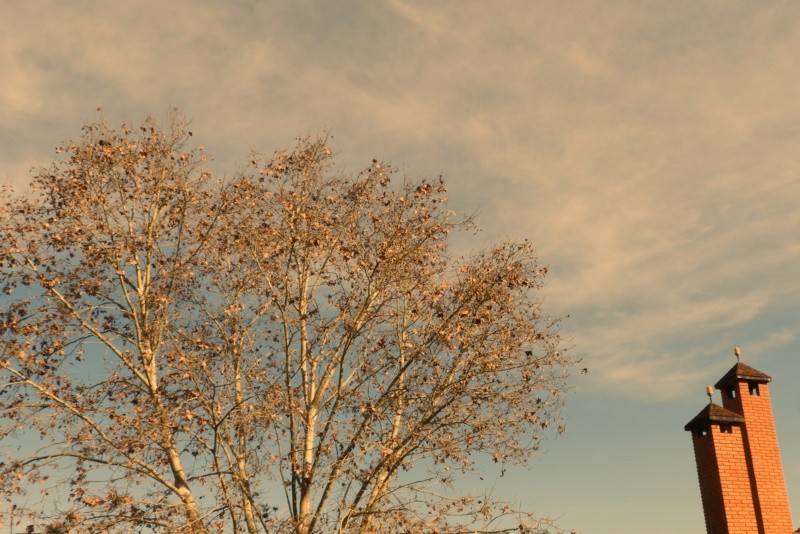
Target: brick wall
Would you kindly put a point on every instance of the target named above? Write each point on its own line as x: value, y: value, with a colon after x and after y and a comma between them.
x: 724, y: 481
x: 764, y: 460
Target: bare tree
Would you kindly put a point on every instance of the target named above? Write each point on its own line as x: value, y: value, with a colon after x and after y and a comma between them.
x: 293, y: 350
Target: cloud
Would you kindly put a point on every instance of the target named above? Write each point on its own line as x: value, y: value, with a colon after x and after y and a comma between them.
x: 650, y: 151
x: 22, y: 90
x: 417, y: 15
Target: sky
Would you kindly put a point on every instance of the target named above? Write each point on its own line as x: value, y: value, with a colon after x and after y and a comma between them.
x: 649, y: 149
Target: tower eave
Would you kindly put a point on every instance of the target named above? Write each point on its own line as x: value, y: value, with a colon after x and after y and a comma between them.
x: 713, y: 414
x: 742, y: 373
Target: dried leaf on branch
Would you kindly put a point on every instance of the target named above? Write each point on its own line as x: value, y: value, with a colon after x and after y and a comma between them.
x: 294, y: 349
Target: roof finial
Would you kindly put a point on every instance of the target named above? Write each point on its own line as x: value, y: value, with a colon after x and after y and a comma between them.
x: 737, y: 352
x: 709, y: 392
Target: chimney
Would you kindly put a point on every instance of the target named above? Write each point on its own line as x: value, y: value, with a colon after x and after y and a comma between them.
x: 738, y: 461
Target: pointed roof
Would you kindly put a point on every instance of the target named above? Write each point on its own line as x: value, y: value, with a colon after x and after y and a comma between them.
x: 713, y: 413
x: 741, y: 372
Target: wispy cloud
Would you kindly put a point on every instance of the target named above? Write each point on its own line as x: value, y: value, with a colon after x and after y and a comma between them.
x: 650, y: 151
x: 430, y: 22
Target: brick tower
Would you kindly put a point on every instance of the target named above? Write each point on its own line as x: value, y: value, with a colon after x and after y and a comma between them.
x: 738, y: 461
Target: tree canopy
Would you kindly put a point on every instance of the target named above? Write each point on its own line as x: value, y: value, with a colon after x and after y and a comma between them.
x: 291, y: 349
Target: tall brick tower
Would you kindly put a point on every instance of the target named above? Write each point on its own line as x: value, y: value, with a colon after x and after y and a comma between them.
x: 738, y: 461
